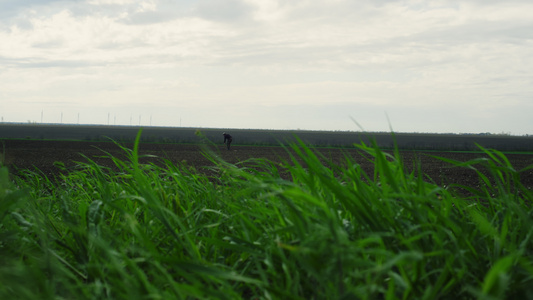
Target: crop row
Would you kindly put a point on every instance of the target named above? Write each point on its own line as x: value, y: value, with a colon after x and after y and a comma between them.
x: 415, y: 141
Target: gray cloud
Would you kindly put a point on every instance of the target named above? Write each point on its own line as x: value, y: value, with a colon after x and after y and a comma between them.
x: 19, y: 13
x: 323, y: 61
x: 228, y: 11
x: 223, y: 10
x: 39, y: 63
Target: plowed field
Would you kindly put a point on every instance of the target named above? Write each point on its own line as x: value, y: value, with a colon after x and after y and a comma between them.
x: 31, y: 154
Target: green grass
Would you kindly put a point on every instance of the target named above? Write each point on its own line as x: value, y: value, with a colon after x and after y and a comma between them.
x: 325, y: 232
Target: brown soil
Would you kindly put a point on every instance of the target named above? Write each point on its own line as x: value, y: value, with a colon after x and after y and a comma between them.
x: 31, y: 154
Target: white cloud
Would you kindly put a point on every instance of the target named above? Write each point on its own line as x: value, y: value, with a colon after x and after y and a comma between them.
x: 111, y: 2
x: 243, y: 55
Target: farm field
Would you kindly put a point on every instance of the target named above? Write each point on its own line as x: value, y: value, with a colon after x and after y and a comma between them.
x: 254, y: 137
x: 43, y: 155
x: 96, y: 220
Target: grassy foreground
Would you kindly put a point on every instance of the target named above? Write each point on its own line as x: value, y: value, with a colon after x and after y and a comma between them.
x: 330, y: 232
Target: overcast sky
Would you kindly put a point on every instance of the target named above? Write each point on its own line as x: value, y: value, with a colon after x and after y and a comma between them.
x: 416, y: 66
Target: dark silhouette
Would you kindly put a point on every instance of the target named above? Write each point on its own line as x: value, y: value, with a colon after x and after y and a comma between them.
x: 227, y: 139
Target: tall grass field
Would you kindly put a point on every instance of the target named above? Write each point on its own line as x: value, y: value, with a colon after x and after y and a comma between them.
x: 320, y: 231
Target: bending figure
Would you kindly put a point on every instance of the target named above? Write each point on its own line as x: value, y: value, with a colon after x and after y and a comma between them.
x: 227, y: 139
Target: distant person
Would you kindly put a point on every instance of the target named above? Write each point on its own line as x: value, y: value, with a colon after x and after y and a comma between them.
x: 227, y: 139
